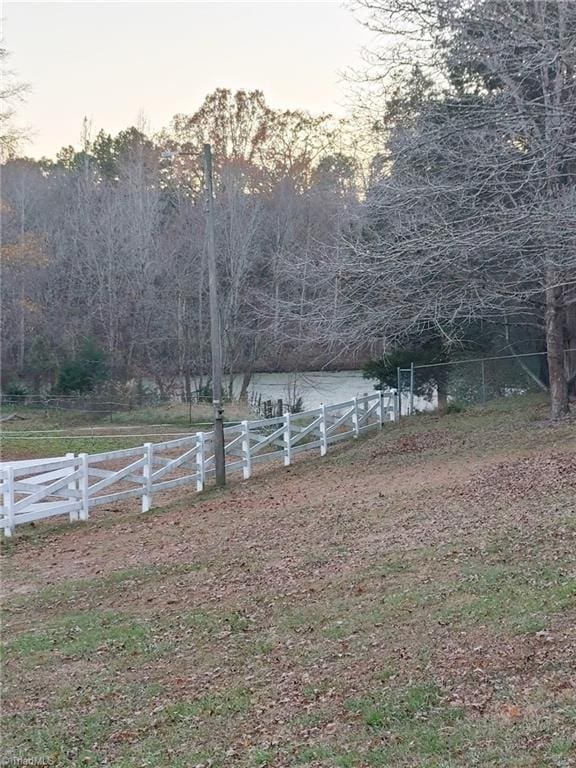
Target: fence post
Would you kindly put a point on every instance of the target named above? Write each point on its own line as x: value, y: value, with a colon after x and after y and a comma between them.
x: 355, y: 418
x: 147, y: 478
x: 396, y: 407
x: 246, y: 458
x: 9, y: 503
x: 411, y: 389
x: 399, y: 391
x: 200, y: 461
x: 84, y: 486
x: 381, y: 408
x: 73, y: 486
x: 287, y: 444
x: 483, y: 382
x: 323, y: 432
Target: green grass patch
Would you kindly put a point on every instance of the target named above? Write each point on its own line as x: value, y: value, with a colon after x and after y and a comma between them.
x: 383, y: 708
x: 49, y: 432
x: 391, y: 567
x: 520, y: 598
x: 327, y: 755
x: 85, y: 721
x: 562, y: 747
x: 415, y: 719
x: 231, y: 701
x: 80, y: 635
x: 90, y: 591
x: 31, y: 446
x: 260, y: 757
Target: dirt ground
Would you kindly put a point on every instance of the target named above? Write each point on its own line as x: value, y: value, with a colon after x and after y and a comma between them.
x: 409, y: 600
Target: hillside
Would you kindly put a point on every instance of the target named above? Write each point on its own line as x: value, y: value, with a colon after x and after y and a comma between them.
x: 409, y: 600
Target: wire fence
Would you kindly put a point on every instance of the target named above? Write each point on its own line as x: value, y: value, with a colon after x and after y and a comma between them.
x: 448, y: 386
x: 101, y: 407
x: 95, y: 404
x: 453, y: 385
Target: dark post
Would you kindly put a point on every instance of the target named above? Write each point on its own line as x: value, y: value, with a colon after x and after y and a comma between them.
x: 219, y: 455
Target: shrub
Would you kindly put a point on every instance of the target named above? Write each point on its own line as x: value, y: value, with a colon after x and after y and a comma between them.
x: 85, y: 371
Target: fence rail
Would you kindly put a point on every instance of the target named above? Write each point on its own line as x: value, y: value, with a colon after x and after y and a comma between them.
x: 72, y: 485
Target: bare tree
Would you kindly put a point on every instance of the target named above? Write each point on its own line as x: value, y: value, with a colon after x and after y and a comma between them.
x: 472, y: 213
x: 11, y: 94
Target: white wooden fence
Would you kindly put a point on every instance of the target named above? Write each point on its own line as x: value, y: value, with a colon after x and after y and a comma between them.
x: 72, y: 485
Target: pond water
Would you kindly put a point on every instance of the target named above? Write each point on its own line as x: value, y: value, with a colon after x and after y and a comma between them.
x: 317, y: 387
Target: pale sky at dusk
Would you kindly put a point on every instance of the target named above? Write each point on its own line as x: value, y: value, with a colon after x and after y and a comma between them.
x: 110, y: 61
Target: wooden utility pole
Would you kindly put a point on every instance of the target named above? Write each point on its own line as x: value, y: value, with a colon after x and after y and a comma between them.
x: 215, y: 338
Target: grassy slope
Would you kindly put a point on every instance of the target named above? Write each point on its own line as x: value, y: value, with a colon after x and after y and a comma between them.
x: 407, y: 601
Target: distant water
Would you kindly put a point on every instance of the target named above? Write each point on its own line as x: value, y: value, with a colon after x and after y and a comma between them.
x: 317, y: 387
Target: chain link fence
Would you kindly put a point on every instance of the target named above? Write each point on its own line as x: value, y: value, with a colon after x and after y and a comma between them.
x: 454, y: 385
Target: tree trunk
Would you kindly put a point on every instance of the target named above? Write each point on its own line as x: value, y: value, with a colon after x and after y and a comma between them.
x: 246, y: 378
x: 555, y: 323
x: 230, y: 387
x: 571, y: 345
x: 442, y: 389
x: 187, y: 385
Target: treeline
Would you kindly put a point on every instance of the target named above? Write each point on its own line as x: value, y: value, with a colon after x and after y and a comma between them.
x: 104, y: 248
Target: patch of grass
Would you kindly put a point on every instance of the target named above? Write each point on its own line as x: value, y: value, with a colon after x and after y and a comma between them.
x: 32, y: 446
x: 214, y: 622
x: 327, y: 755
x: 409, y: 601
x: 391, y: 567
x: 386, y: 674
x: 144, y: 573
x: 521, y: 598
x: 89, y: 591
x: 154, y: 755
x: 50, y: 432
x: 230, y: 702
x: 262, y: 647
x: 81, y: 721
x: 478, y: 742
x: 80, y: 635
x: 180, y: 414
x: 311, y: 719
x: 332, y: 615
x: 383, y: 708
x: 562, y: 747
x: 415, y: 719
x: 237, y: 621
x: 518, y: 598
x: 481, y: 430
x: 260, y: 758
x: 340, y: 629
x: 50, y: 740
x: 313, y: 691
